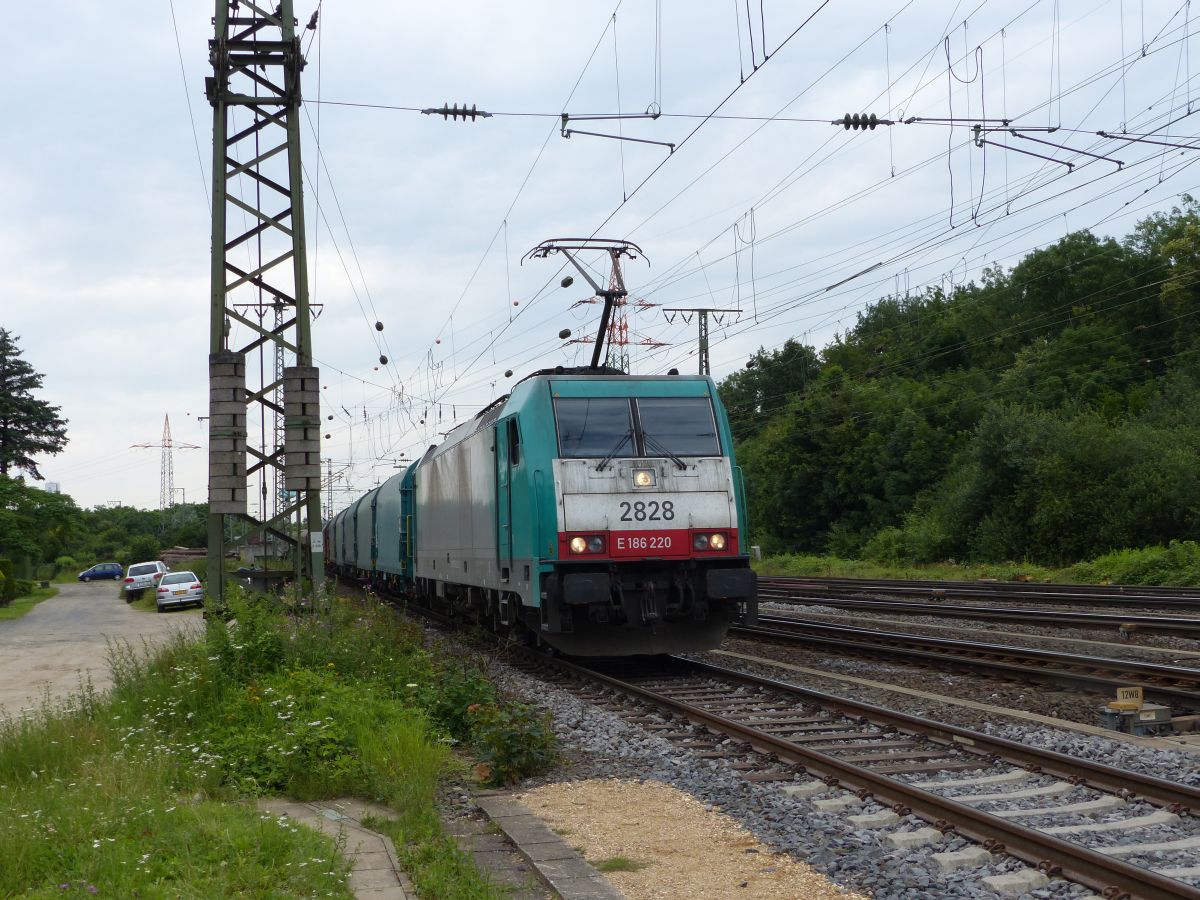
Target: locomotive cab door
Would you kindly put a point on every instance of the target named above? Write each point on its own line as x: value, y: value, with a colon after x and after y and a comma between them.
x: 508, y: 455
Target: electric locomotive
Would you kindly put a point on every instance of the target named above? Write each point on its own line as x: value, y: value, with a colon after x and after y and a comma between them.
x: 597, y: 512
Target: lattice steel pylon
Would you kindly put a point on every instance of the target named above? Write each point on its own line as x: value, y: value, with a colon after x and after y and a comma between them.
x: 166, y: 475
x: 259, y: 264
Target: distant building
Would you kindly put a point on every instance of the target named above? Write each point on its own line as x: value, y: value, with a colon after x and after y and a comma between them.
x: 52, y: 487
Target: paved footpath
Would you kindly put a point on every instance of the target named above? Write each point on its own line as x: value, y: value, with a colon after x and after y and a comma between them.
x: 376, y: 872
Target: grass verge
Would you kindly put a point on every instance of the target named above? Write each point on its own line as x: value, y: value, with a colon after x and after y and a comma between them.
x: 148, y: 790
x: 833, y: 567
x: 23, y: 605
x: 619, y: 864
x: 1177, y: 564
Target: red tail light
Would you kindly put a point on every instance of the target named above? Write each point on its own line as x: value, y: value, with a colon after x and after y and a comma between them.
x: 196, y: 585
x: 163, y: 590
x: 129, y: 581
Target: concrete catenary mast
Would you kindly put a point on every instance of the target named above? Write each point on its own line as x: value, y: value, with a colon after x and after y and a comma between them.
x: 259, y: 293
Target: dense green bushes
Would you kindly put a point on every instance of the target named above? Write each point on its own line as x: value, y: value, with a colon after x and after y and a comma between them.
x: 8, y: 582
x: 1048, y: 413
x: 1177, y: 563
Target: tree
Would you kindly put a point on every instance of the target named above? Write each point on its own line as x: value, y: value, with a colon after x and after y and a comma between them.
x: 28, y: 426
x: 34, y: 524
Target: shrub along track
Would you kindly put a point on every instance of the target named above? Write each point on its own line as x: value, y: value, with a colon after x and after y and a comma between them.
x: 773, y: 732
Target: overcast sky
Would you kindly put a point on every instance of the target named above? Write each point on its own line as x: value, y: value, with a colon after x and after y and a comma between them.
x: 105, y: 175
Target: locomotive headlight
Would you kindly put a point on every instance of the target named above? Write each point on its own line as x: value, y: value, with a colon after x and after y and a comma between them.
x: 643, y: 478
x: 717, y: 541
x: 579, y: 545
x: 700, y: 542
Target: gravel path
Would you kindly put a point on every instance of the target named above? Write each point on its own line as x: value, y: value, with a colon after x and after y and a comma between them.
x: 63, y: 642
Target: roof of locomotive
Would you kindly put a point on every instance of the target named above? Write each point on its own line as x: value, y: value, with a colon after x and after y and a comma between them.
x: 579, y: 375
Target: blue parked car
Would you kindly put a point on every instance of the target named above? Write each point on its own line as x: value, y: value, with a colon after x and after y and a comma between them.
x: 110, y: 570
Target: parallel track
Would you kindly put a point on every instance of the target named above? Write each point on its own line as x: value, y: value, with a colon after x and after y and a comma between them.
x: 1159, y: 598
x: 1126, y: 622
x: 840, y: 742
x: 1178, y: 684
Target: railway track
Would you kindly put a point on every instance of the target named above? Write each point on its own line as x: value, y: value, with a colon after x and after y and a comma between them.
x: 845, y: 755
x: 1179, y: 685
x: 1125, y: 623
x: 1156, y: 598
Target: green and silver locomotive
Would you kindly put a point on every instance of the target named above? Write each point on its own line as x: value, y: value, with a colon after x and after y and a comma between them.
x: 599, y: 513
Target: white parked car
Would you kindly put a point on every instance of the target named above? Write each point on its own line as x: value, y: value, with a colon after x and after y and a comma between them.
x: 179, y: 589
x: 143, y: 576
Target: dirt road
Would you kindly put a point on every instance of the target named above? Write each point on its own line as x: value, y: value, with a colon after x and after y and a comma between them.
x: 65, y: 639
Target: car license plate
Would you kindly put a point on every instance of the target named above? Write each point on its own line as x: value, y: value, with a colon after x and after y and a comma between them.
x: 178, y: 593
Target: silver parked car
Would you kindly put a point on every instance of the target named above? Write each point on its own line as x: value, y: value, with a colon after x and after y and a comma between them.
x: 179, y: 589
x: 143, y: 576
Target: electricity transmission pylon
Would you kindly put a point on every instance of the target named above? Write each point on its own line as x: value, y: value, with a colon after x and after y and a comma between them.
x: 166, y: 477
x: 259, y: 266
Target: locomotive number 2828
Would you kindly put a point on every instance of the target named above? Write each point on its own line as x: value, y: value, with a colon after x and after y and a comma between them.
x: 647, y: 511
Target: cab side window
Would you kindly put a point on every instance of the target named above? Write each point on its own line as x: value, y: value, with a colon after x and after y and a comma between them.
x: 514, y: 443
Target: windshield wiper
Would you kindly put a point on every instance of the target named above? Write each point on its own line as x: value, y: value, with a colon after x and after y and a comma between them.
x: 614, y: 451
x: 652, y: 444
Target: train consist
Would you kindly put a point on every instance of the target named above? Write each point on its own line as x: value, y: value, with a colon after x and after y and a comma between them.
x: 601, y: 513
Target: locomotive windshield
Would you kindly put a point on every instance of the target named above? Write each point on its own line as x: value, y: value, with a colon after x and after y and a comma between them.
x: 592, y: 426
x: 604, y: 427
x: 683, y: 426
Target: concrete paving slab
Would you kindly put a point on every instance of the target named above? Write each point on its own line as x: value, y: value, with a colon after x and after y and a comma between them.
x: 559, y: 866
x: 500, y: 807
x: 527, y: 829
x: 372, y: 878
x: 539, y: 853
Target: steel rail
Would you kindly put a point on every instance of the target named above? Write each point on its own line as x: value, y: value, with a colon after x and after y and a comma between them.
x: 1178, y: 798
x: 1098, y: 595
x: 1177, y: 682
x: 1049, y: 854
x: 1025, y: 615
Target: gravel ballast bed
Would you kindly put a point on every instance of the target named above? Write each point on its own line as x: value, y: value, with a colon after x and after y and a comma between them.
x: 1045, y: 700
x: 599, y: 744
